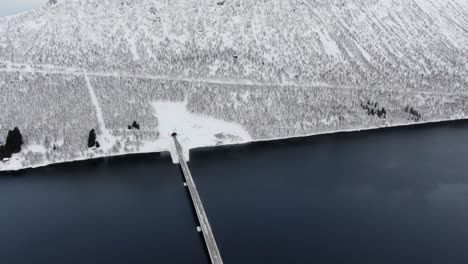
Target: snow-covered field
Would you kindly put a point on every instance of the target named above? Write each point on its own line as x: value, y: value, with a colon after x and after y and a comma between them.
x: 194, y: 131
x: 224, y: 72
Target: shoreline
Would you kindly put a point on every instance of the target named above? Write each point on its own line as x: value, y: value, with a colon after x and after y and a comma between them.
x: 259, y: 141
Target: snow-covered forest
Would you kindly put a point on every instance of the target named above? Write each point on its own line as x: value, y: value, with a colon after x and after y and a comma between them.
x: 272, y: 69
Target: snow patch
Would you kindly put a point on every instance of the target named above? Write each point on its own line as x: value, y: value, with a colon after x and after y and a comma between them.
x: 194, y: 130
x: 133, y: 48
x: 36, y: 148
x: 329, y: 45
x: 12, y: 164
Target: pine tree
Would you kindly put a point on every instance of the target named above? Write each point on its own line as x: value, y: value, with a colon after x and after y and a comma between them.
x: 14, y: 141
x: 2, y: 152
x: 136, y: 125
x: 92, y: 139
x: 13, y: 144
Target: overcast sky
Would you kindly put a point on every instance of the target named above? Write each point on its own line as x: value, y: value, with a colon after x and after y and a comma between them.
x: 11, y: 7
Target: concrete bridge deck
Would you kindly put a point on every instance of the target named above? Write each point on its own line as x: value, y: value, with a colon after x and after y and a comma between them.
x: 205, y: 226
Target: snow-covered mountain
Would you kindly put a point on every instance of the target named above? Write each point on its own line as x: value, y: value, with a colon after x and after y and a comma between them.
x: 243, y: 69
x: 351, y: 42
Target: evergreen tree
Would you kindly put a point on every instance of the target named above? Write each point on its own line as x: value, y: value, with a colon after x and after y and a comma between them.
x: 13, y: 144
x: 14, y: 141
x: 136, y: 125
x: 2, y: 153
x: 92, y: 139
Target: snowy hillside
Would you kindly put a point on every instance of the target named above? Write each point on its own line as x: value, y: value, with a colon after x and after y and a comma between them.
x: 242, y: 69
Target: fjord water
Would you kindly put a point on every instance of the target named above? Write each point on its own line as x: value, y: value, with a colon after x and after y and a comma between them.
x: 131, y: 209
x: 387, y: 196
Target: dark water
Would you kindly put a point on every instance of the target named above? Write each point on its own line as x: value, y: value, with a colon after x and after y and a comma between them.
x: 124, y: 210
x: 387, y: 196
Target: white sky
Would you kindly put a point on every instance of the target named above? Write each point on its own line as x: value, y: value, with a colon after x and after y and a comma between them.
x: 12, y: 7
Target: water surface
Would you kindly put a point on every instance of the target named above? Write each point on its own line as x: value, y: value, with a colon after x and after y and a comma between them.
x: 387, y: 196
x: 130, y: 209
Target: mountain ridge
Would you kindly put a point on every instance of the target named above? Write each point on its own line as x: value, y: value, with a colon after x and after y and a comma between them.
x: 366, y: 42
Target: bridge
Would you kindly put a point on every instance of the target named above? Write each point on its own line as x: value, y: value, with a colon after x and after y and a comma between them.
x: 205, y: 226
